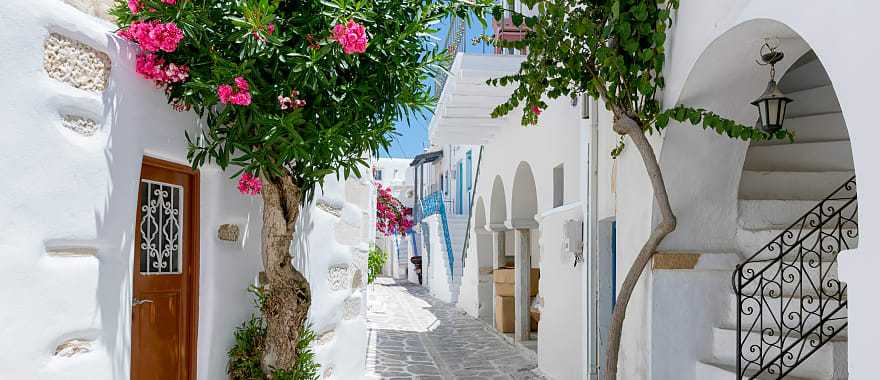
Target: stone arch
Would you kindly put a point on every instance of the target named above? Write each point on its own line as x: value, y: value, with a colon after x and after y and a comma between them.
x: 498, y: 203
x: 524, y: 199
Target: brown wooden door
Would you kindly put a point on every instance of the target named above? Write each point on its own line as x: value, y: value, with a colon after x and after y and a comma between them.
x: 165, y: 277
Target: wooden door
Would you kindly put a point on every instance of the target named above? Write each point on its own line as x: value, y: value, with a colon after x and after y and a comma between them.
x: 165, y: 276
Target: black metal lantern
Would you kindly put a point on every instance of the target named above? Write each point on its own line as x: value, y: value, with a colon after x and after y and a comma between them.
x: 772, y: 103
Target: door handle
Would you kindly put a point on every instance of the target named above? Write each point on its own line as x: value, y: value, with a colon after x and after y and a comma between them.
x: 135, y: 302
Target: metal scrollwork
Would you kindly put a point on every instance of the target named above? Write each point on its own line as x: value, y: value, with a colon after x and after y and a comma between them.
x: 789, y: 300
x: 160, y: 227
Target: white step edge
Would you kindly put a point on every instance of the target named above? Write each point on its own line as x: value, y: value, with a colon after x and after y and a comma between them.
x: 785, y: 185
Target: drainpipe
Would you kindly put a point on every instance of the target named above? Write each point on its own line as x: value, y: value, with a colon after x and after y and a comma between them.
x: 591, y: 231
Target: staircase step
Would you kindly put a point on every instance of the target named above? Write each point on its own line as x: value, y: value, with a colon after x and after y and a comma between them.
x: 813, y: 128
x: 779, y: 185
x: 810, y: 74
x: 808, y: 156
x: 793, y: 310
x: 811, y: 101
x: 820, y: 365
x: 750, y: 241
x: 709, y: 371
x: 766, y: 214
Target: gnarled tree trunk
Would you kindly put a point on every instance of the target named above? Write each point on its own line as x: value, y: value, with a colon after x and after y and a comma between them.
x: 625, y: 125
x: 288, y: 295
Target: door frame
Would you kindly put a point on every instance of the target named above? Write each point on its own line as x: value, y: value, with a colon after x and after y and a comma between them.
x: 192, y: 261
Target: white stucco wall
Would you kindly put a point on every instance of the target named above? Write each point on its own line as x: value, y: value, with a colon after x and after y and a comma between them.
x: 63, y: 189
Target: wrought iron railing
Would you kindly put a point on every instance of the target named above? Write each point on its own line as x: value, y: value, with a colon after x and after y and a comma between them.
x: 435, y: 204
x: 454, y: 44
x: 467, y: 233
x: 790, y: 302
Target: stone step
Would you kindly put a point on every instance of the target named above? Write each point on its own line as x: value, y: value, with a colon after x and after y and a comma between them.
x: 780, y: 185
x: 808, y: 156
x: 810, y: 74
x: 820, y: 365
x: 750, y: 241
x: 791, y: 311
x: 709, y: 371
x: 765, y: 214
x: 813, y: 128
x: 812, y: 101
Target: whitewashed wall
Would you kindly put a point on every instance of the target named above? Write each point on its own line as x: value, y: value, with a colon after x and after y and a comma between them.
x: 75, y: 186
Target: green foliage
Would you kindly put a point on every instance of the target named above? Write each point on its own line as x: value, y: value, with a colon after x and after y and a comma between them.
x: 250, y: 337
x: 375, y: 262
x: 352, y: 101
x: 610, y: 49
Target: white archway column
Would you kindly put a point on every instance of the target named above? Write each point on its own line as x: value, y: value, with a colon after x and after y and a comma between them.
x: 522, y: 276
x: 498, y: 246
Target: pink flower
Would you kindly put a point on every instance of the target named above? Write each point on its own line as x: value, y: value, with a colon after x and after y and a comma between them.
x: 170, y: 2
x: 134, y: 6
x: 241, y: 98
x: 536, y: 110
x: 152, y: 67
x: 241, y: 83
x: 270, y: 29
x: 154, y: 36
x: 250, y: 184
x: 224, y: 91
x: 284, y: 102
x: 352, y: 36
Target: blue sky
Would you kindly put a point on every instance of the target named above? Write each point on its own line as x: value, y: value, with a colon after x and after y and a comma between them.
x: 413, y: 137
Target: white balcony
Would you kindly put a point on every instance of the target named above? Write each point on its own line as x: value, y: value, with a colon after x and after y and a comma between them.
x: 463, y: 112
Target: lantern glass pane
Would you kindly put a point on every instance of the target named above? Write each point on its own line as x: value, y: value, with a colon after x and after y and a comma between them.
x: 773, y: 112
x: 762, y: 111
x: 782, y: 106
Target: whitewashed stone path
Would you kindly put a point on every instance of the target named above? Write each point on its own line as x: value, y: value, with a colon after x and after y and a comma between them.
x: 414, y: 336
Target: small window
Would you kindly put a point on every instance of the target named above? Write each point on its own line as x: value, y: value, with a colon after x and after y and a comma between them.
x: 161, y: 209
x: 378, y: 175
x: 558, y: 186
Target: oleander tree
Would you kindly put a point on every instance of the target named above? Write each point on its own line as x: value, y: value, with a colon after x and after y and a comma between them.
x: 290, y: 91
x: 613, y: 50
x: 392, y: 216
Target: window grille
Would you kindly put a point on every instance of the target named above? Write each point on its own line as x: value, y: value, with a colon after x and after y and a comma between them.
x: 161, y: 223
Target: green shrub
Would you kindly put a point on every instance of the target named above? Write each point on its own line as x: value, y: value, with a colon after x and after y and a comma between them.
x: 375, y: 262
x: 245, y: 356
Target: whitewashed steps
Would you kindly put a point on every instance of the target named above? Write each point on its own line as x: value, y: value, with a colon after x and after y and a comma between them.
x: 819, y: 366
x: 810, y: 74
x: 768, y: 319
x: 708, y: 371
x: 812, y: 128
x: 810, y: 156
x: 781, y: 185
x: 751, y: 241
x: 761, y: 214
x: 812, y: 101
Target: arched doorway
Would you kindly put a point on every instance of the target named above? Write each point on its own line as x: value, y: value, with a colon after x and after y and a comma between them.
x: 786, y: 209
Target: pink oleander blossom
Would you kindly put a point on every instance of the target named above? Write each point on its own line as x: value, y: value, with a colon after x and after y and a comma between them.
x: 291, y: 102
x: 240, y: 96
x: 352, y: 36
x: 134, y: 6
x: 153, y: 67
x: 154, y: 35
x: 249, y: 184
x: 536, y: 110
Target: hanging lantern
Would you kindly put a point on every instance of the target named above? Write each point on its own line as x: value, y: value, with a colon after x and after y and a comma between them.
x: 772, y: 103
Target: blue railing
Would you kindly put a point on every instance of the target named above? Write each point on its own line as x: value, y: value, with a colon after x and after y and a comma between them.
x: 433, y: 204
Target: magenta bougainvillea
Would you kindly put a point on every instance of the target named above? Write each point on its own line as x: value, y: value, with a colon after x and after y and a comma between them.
x: 392, y: 217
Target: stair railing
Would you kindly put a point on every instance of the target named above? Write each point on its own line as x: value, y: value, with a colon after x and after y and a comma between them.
x: 467, y: 231
x: 434, y: 204
x: 776, y: 333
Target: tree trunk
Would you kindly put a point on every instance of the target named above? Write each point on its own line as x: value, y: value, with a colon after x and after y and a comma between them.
x: 625, y: 125
x: 288, y: 295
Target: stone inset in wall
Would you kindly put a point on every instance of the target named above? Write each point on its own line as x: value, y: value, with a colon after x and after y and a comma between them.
x: 81, y: 125
x: 329, y: 207
x: 352, y: 308
x: 72, y: 251
x: 357, y: 279
x: 96, y: 8
x: 76, y: 63
x: 337, y: 276
x: 326, y: 337
x: 228, y: 232
x: 73, y: 347
x: 328, y: 373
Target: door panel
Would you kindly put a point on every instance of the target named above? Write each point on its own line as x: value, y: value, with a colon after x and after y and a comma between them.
x: 165, y: 273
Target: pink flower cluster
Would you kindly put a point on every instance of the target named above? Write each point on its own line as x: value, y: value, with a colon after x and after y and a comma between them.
x: 153, y: 67
x: 249, y: 184
x: 135, y: 5
x: 352, y: 36
x: 291, y: 102
x: 392, y: 217
x: 154, y: 35
x: 240, y: 96
x: 269, y: 30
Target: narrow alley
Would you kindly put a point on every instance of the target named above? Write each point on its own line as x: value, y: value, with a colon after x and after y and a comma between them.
x: 414, y: 336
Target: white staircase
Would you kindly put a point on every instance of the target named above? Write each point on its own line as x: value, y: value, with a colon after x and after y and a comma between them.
x: 457, y: 232
x: 781, y: 181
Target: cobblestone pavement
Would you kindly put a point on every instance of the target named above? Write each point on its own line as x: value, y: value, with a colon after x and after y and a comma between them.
x: 415, y: 336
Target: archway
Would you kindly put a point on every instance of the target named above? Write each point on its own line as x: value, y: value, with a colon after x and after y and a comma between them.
x: 498, y: 204
x: 483, y: 246
x: 764, y: 203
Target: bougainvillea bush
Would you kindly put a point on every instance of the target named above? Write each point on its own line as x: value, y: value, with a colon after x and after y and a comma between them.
x: 392, y: 217
x: 289, y: 92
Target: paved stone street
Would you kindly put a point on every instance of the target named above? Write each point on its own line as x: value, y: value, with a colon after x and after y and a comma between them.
x: 414, y: 336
